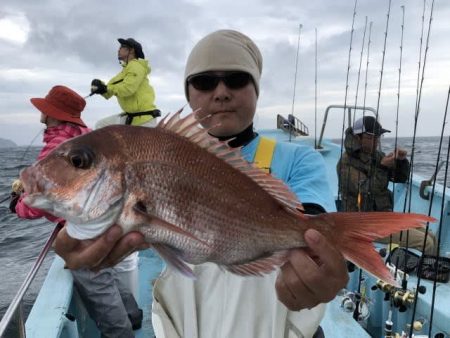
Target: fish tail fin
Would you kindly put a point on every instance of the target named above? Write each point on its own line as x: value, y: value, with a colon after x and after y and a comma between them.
x: 354, y: 232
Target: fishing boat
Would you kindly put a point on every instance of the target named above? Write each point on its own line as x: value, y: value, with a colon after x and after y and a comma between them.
x: 366, y: 308
x: 421, y: 308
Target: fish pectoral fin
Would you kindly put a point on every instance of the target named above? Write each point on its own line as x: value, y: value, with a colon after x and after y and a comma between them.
x: 153, y: 220
x: 259, y: 266
x: 170, y: 256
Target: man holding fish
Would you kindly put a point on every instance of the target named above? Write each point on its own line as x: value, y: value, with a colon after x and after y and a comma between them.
x: 197, y: 201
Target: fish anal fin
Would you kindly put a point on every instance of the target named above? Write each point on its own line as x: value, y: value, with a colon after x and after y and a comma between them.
x: 170, y: 257
x: 259, y: 266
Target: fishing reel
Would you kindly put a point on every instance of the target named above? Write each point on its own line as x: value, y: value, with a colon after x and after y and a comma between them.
x: 356, y: 303
x: 401, y: 298
x: 405, y: 298
x: 384, y: 287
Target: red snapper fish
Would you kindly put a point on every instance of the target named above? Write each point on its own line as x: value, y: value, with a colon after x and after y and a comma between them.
x: 195, y: 199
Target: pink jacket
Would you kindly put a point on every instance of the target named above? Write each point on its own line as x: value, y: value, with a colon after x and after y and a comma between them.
x: 53, y: 136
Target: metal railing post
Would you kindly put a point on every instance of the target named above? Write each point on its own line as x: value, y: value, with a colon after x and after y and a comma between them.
x: 17, y: 300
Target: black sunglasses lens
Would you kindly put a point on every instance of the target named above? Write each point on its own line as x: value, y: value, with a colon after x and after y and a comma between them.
x: 204, y: 82
x: 236, y: 80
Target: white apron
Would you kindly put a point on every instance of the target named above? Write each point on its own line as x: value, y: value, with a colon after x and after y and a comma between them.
x: 223, y: 305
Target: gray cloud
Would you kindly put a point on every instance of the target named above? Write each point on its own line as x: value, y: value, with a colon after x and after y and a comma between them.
x: 73, y: 42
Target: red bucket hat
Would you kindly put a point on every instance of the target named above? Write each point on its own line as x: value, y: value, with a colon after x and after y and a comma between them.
x: 63, y: 104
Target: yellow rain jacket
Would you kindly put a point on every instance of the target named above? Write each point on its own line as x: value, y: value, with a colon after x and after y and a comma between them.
x: 133, y: 90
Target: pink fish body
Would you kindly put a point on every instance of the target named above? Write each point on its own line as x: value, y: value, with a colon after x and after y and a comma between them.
x: 195, y: 199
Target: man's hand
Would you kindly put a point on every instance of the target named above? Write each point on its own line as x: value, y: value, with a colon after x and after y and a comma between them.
x: 104, y: 251
x: 98, y: 87
x: 389, y: 159
x: 17, y: 187
x: 16, y: 192
x: 311, y: 276
x: 401, y: 153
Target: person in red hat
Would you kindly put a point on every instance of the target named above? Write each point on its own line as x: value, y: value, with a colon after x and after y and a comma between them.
x: 60, y: 112
x: 132, y: 88
x: 107, y: 299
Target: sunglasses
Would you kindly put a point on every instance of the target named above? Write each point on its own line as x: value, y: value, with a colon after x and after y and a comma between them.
x: 209, y: 81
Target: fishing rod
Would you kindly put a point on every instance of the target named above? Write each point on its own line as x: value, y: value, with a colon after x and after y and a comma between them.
x: 359, y: 68
x: 21, y: 160
x: 439, y: 234
x: 396, y: 131
x: 367, y: 65
x: 94, y: 88
x: 418, y: 94
x: 315, y: 91
x: 408, y: 197
x: 5, y: 199
x: 346, y: 93
x: 295, y: 80
x: 416, y: 119
x: 371, y: 168
x: 88, y: 96
x: 429, y: 213
x: 382, y: 61
x: 380, y: 85
x: 398, y: 95
x: 17, y: 300
x: 359, y: 300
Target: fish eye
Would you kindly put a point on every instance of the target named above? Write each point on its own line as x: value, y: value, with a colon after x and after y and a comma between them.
x: 81, y: 158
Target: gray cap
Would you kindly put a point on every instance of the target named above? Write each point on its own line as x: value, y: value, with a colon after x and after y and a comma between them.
x: 225, y: 50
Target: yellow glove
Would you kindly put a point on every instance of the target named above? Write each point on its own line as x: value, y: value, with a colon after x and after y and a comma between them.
x: 17, y: 186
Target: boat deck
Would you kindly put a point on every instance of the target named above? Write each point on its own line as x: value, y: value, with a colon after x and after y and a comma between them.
x: 55, y: 323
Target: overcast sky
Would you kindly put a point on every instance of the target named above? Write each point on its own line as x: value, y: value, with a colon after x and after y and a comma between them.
x: 49, y: 42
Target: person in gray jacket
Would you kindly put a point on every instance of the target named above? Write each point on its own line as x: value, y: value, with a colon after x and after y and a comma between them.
x: 364, y: 174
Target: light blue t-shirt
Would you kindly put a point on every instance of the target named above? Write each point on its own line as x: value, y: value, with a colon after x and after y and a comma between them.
x: 301, y: 168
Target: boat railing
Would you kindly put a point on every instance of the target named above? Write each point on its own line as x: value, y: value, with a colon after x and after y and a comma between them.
x: 15, y: 307
x: 349, y: 119
x: 292, y: 125
x: 427, y: 183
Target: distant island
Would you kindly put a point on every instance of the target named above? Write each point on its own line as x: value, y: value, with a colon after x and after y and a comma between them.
x: 4, y: 143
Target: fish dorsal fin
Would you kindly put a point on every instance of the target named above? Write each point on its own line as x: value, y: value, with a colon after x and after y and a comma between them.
x: 259, y: 266
x: 190, y: 128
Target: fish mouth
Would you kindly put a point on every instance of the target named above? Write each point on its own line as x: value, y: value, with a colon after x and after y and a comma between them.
x: 31, y: 184
x: 98, y: 203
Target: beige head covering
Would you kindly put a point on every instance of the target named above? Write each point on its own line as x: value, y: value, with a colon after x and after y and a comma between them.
x: 225, y: 50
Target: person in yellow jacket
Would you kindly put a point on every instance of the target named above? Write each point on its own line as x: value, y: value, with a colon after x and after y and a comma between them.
x: 132, y: 88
